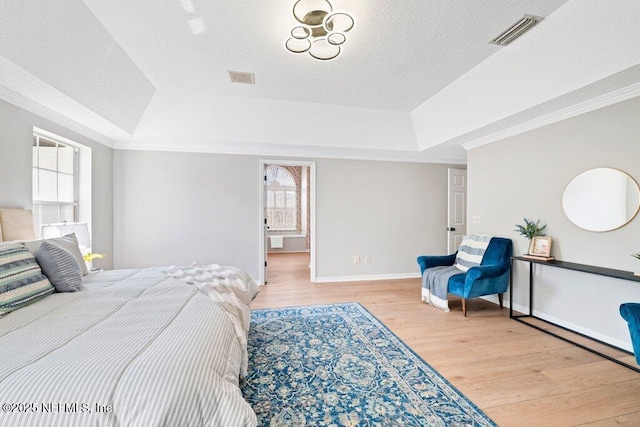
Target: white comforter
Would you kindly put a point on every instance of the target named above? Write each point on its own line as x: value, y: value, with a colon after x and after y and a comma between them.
x: 231, y: 288
x: 135, y: 348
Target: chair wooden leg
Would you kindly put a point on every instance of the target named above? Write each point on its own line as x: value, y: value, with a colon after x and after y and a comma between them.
x: 501, y: 299
x: 464, y: 307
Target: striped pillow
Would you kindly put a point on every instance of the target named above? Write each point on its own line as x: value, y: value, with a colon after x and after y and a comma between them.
x: 471, y: 251
x: 60, y: 266
x: 21, y: 279
x: 68, y: 242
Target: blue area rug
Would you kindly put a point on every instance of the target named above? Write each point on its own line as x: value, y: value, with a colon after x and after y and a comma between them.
x: 339, y: 365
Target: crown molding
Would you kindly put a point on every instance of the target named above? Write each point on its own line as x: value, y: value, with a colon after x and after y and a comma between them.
x: 206, y: 146
x: 592, y: 104
x: 295, y: 151
x: 27, y: 104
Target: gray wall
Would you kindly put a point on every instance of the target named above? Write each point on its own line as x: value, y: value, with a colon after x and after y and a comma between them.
x: 16, y: 138
x: 289, y: 243
x: 525, y: 176
x: 389, y: 211
x: 176, y: 208
x: 173, y: 208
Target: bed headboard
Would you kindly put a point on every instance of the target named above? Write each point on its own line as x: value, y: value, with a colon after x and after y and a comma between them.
x: 16, y: 224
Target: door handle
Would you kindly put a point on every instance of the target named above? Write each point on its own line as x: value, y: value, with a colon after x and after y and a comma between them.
x: 451, y: 229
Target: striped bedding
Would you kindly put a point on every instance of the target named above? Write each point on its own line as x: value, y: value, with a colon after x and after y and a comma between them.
x: 136, y: 347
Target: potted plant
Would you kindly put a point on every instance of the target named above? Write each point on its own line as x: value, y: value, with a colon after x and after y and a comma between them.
x: 530, y: 229
x: 636, y: 256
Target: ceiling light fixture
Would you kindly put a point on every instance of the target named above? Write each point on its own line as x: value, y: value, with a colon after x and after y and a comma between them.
x: 322, y: 32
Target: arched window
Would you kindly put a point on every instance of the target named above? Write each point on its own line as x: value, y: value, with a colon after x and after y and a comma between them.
x: 281, y: 199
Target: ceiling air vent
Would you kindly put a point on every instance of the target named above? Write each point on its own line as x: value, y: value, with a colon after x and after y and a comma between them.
x: 241, y: 77
x: 523, y: 25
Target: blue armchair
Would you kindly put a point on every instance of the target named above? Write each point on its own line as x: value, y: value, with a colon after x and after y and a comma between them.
x: 490, y: 277
x: 631, y: 313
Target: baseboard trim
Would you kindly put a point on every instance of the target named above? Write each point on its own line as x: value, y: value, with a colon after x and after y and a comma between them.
x: 585, y: 331
x: 367, y: 277
x: 494, y: 299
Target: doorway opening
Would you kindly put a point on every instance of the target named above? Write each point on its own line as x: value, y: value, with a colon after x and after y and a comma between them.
x: 287, y: 220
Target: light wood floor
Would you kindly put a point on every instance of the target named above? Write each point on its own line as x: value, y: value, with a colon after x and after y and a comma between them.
x: 518, y: 376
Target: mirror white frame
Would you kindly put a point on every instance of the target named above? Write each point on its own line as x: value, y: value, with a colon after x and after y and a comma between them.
x: 601, y: 199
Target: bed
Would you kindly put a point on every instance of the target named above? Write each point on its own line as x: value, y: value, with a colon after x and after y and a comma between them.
x: 133, y: 347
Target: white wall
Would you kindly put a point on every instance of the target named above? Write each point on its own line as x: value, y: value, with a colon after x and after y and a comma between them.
x: 16, y: 139
x: 525, y: 176
x: 175, y: 208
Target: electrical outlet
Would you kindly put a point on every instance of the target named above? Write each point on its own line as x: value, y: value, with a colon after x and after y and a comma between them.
x: 476, y: 219
x: 367, y: 259
x: 356, y: 259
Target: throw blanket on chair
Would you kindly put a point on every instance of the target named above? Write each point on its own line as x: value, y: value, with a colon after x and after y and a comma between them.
x: 435, y: 285
x: 435, y: 281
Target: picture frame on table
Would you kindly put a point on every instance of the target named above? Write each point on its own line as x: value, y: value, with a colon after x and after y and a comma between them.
x: 540, y: 246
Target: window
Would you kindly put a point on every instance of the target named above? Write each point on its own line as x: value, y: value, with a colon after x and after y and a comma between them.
x: 55, y: 181
x: 281, y: 199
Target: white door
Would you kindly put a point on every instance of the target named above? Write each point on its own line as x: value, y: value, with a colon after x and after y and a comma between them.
x: 265, y: 246
x: 457, y: 199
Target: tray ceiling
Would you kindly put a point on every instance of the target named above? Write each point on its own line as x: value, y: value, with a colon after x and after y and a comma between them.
x: 154, y: 74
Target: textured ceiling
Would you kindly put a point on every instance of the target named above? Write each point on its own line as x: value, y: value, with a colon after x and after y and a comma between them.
x: 65, y: 46
x: 398, y: 55
x: 414, y: 78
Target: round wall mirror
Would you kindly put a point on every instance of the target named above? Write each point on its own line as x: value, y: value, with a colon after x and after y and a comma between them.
x: 601, y: 199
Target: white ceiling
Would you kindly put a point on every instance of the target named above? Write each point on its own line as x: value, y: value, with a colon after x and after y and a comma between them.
x: 415, y: 80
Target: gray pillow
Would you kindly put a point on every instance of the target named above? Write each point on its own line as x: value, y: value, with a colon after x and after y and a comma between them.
x: 68, y: 242
x: 60, y: 266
